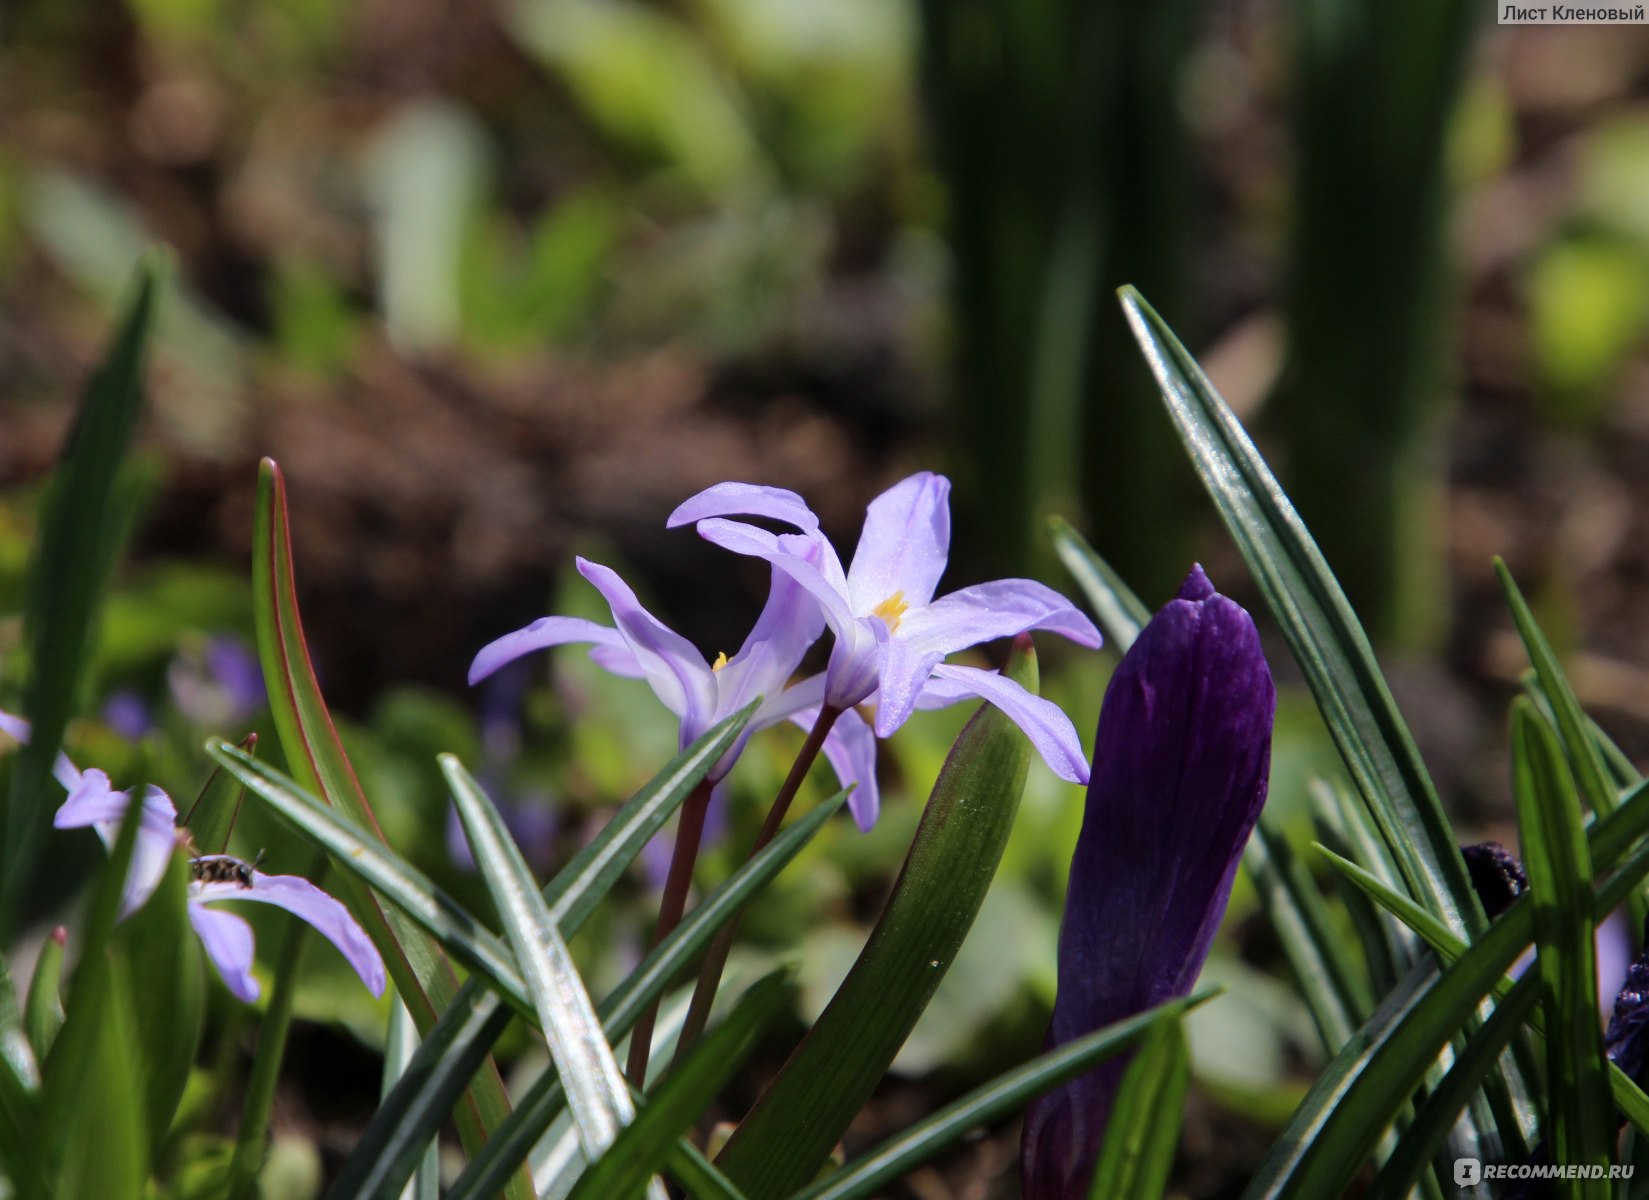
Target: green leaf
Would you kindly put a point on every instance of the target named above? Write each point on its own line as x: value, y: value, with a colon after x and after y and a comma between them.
x: 247, y: 1163
x: 423, y: 977
x: 369, y: 860
x: 400, y: 1047
x: 1333, y: 987
x: 94, y: 1139
x: 1553, y: 840
x: 683, y: 1095
x: 211, y: 818
x: 1008, y: 1093
x: 83, y: 521
x: 19, y: 1080
x: 401, y: 1133
x: 1145, y: 1125
x: 623, y: 1008
x: 158, y: 948
x: 596, y: 1094
x: 1429, y: 1131
x: 790, y: 1131
x: 1322, y: 631
x: 1119, y: 613
x: 43, y: 1010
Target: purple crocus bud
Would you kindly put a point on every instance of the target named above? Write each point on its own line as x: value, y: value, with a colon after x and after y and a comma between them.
x: 1497, y: 877
x: 1627, y: 1038
x: 1179, y: 775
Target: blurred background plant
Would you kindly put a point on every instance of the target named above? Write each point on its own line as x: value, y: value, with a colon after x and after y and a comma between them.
x: 498, y: 282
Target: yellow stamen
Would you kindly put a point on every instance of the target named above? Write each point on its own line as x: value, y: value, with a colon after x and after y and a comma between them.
x: 721, y: 661
x: 892, y: 610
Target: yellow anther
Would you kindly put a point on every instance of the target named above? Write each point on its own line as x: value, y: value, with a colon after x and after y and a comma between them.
x: 892, y: 610
x: 721, y: 661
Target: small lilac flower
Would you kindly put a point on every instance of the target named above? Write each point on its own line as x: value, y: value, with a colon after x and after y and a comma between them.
x: 221, y: 683
x: 700, y: 694
x: 127, y: 713
x: 892, y: 636
x: 227, y: 938
x: 1180, y: 770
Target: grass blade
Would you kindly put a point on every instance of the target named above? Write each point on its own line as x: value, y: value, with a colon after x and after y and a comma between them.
x: 1150, y: 1109
x: 43, y: 1009
x: 1552, y: 836
x: 684, y: 1094
x: 789, y: 1133
x: 1004, y: 1095
x: 211, y: 818
x: 1322, y: 631
x: 623, y: 1008
x: 423, y: 977
x: 1334, y: 989
x: 1119, y: 613
x: 83, y: 521
x: 596, y: 1094
x: 252, y: 1139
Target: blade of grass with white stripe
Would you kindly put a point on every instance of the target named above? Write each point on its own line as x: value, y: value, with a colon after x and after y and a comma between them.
x: 623, y: 1008
x: 596, y: 1094
x: 412, y: 1113
x: 1119, y: 613
x: 1001, y: 1097
x: 1553, y: 841
x: 1429, y: 1132
x: 1341, y: 824
x: 1317, y: 620
x: 677, y: 1102
x: 399, y: 1053
x: 1335, y: 990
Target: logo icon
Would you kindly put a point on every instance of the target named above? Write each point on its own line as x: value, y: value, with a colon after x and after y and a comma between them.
x: 1468, y: 1172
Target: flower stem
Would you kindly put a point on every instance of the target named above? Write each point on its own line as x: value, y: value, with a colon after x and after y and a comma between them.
x: 670, y: 907
x: 704, y: 995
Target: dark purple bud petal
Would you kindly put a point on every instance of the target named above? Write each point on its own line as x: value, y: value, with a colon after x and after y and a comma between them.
x: 1180, y: 768
x: 1625, y: 1040
x: 1497, y: 877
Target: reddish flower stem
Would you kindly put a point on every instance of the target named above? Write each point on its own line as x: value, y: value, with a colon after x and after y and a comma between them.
x: 704, y: 995
x: 671, y: 905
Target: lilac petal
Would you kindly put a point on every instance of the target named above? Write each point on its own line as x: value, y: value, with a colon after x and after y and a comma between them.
x: 795, y: 556
x: 902, y: 673
x: 904, y: 544
x: 540, y: 635
x: 94, y: 802
x: 809, y: 693
x: 674, y: 668
x: 850, y: 748
x: 304, y: 900
x: 1181, y: 762
x: 617, y: 660
x: 987, y: 611
x: 227, y: 940
x: 745, y: 499
x: 1043, y: 721
x: 790, y: 622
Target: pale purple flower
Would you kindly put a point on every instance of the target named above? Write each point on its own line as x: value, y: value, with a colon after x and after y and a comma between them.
x: 218, y: 683
x: 700, y: 693
x: 226, y: 938
x: 1180, y: 771
x: 892, y: 636
x: 127, y: 713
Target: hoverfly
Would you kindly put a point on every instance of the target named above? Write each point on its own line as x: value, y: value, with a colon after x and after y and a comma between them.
x: 223, y: 868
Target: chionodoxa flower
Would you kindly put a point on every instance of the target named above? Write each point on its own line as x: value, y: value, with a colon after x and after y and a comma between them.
x: 227, y: 938
x: 1179, y: 776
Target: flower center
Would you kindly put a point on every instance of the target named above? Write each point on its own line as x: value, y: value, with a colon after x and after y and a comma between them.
x: 721, y: 661
x: 892, y: 610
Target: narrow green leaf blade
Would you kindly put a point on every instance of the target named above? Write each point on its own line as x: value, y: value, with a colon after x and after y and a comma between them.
x: 623, y: 1008
x: 1322, y: 631
x: 1119, y: 613
x: 82, y: 523
x: 1008, y: 1093
x: 1150, y: 1108
x: 683, y: 1095
x: 211, y: 818
x: 423, y: 977
x: 789, y: 1133
x: 596, y: 1094
x: 1553, y: 840
x: 43, y: 1010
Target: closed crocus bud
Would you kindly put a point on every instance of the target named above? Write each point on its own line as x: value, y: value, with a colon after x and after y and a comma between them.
x: 1179, y: 775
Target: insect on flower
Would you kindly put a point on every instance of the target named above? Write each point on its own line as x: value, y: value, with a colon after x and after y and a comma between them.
x: 223, y: 868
